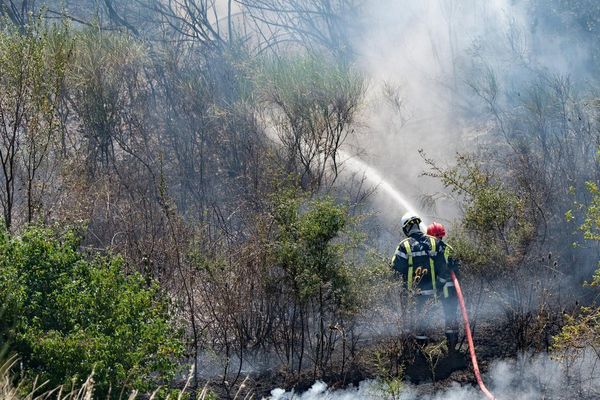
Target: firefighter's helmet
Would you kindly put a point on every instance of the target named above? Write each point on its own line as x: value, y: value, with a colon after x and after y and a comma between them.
x: 437, y: 230
x: 408, y: 221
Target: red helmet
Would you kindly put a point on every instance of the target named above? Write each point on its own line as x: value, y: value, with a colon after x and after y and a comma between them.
x: 436, y: 230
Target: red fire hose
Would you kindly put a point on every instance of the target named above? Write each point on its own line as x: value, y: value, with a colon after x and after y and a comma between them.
x: 463, y: 310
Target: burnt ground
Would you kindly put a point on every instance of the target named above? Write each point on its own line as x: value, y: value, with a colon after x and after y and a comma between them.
x: 390, y: 356
x: 411, y: 364
x: 449, y: 369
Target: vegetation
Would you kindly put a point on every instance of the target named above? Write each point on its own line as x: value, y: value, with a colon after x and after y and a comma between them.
x: 87, y: 389
x: 68, y: 316
x: 172, y: 194
x: 581, y: 332
x: 313, y: 108
x: 33, y: 65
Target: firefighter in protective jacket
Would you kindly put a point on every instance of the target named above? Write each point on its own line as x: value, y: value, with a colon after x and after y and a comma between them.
x: 420, y: 260
x: 448, y: 291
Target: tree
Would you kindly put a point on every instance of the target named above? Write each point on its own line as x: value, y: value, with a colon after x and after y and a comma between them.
x: 316, y: 286
x: 581, y: 332
x: 33, y: 65
x: 315, y: 25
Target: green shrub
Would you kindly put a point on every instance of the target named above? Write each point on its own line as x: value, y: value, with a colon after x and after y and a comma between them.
x: 67, y: 315
x: 497, y: 229
x: 306, y: 248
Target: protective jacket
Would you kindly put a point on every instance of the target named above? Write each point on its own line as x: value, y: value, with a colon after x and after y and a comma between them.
x: 449, y: 300
x: 451, y: 264
x: 421, y: 262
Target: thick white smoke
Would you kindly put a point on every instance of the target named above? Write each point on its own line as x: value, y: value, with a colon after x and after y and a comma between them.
x: 527, y: 378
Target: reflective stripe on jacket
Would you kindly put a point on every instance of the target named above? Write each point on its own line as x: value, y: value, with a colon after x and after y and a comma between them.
x: 419, y: 258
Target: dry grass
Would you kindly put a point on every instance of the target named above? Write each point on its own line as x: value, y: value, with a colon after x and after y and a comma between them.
x: 39, y: 391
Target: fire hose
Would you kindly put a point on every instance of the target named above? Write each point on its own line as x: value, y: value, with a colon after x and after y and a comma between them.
x: 463, y: 310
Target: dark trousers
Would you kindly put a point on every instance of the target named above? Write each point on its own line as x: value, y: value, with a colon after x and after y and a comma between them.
x: 450, y: 305
x: 423, y: 317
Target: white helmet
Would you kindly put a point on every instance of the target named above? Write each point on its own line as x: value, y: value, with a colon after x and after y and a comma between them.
x: 408, y: 221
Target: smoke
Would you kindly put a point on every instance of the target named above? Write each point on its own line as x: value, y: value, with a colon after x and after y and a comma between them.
x: 423, y: 59
x: 413, y: 51
x: 529, y: 377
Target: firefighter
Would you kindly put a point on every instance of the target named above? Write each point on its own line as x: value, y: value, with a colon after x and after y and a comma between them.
x: 419, y: 259
x: 448, y: 292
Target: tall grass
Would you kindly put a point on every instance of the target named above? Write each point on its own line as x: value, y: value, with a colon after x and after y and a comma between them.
x: 9, y: 390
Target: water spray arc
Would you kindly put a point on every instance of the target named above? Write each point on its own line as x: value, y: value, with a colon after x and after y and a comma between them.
x: 373, y: 176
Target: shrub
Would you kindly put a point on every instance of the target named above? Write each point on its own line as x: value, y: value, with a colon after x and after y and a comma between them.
x: 68, y: 315
x: 312, y: 104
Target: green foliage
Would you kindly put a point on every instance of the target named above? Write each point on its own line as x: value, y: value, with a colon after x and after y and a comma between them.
x: 108, y: 90
x: 391, y: 388
x: 105, y: 66
x: 308, y: 83
x: 12, y: 389
x: 389, y: 372
x: 497, y: 225
x: 68, y: 315
x: 586, y: 213
x: 305, y: 246
x: 495, y: 242
x: 433, y: 353
x: 591, y: 223
x: 33, y: 65
x: 581, y: 331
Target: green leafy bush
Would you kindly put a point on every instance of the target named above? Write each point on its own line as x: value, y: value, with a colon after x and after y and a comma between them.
x: 306, y: 247
x: 497, y: 229
x: 67, y: 315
